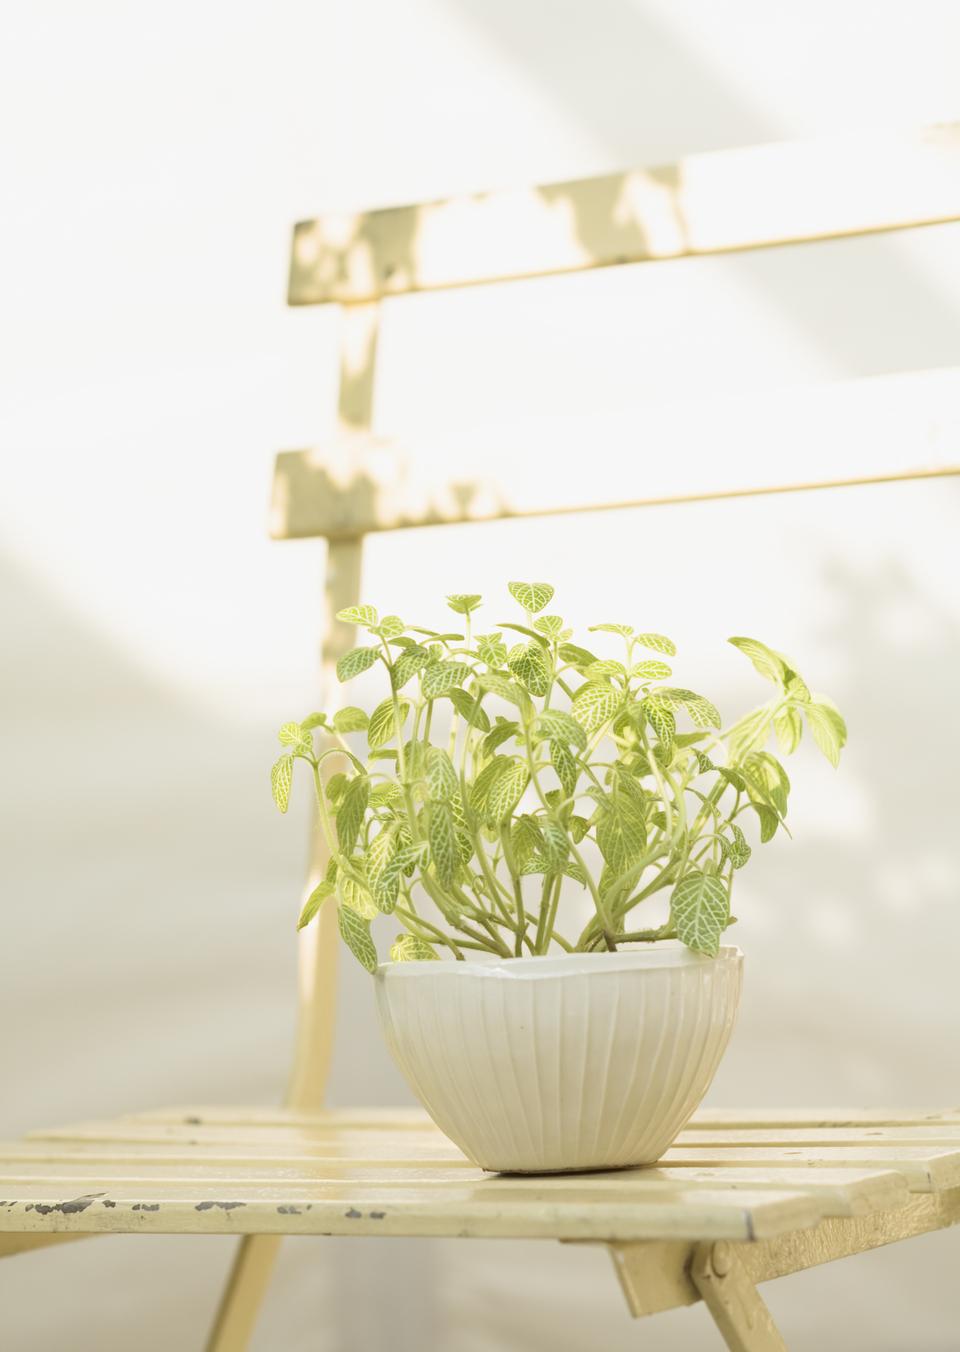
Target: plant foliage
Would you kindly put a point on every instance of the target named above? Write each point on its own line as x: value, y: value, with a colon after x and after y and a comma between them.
x: 505, y: 768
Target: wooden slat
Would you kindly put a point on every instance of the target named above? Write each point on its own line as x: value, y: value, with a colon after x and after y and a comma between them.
x: 740, y: 1119
x: 713, y: 203
x: 838, y: 434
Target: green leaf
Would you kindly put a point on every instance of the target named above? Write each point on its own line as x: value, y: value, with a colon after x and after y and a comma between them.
x: 702, y: 712
x: 358, y: 615
x: 391, y: 626
x: 529, y: 633
x: 827, y: 728
x: 507, y: 789
x: 281, y: 780
x: 388, y: 794
x: 442, y: 781
x: 355, y: 661
x: 596, y: 671
x: 292, y: 734
x: 350, y: 719
x: 442, y: 836
x: 661, y: 718
x: 657, y: 643
x: 496, y: 684
x: 313, y: 721
x: 621, y: 831
x: 532, y: 667
x: 557, y: 726
x: 351, y: 812
x: 382, y: 872
x: 578, y: 657
x: 383, y: 725
x: 699, y: 911
x: 526, y: 839
x: 313, y: 903
x: 769, y: 821
x: 491, y: 649
x: 766, y: 780
x: 468, y: 707
x: 565, y: 767
x: 441, y: 677
x: 337, y: 787
x: 595, y: 704
x: 550, y: 625
x: 749, y: 732
x: 463, y: 603
x: 739, y: 850
x: 788, y: 725
x: 624, y: 630
x: 413, y: 659
x: 355, y: 933
x: 410, y: 948
x: 556, y: 845
x: 501, y: 732
x: 651, y: 671
x: 533, y: 596
x: 771, y: 665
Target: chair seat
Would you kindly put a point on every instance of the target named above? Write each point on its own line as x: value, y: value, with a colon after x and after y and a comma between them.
x: 731, y: 1175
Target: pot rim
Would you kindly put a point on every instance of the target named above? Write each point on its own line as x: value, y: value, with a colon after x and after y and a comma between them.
x: 666, y: 953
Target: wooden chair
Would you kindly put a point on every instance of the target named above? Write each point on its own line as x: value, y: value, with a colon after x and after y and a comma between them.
x: 743, y: 1196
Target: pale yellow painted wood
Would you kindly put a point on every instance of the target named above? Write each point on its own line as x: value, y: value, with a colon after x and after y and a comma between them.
x: 656, y: 1277
x: 718, y: 202
x: 738, y: 1309
x: 318, y: 943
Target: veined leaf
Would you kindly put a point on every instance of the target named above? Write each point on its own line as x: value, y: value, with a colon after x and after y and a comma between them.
x: 491, y: 649
x: 507, y: 789
x: 526, y: 839
x: 739, y: 849
x: 788, y: 726
x: 533, y: 596
x: 565, y: 767
x: 411, y: 948
x: 313, y: 721
x: 281, y: 780
x: 578, y: 828
x: 350, y: 719
x: 769, y: 821
x: 661, y: 718
x: 366, y: 615
x: 578, y: 657
x: 351, y: 812
x: 556, y: 845
x: 468, y: 707
x: 532, y: 667
x: 699, y: 911
x: 292, y: 734
x: 657, y: 643
x: 773, y: 666
x: 621, y: 829
x: 704, y: 764
x: 391, y: 626
x: 355, y: 661
x: 442, y: 781
x: 441, y: 677
x: 355, y: 932
x: 827, y: 728
x: 385, y: 724
x: 538, y: 864
x: 413, y: 659
x: 464, y: 602
x: 529, y: 633
x: 596, y: 671
x: 388, y: 794
x: 766, y: 780
x: 444, y: 850
x: 313, y: 903
x: 357, y: 896
x: 624, y: 630
x: 749, y: 733
x: 336, y: 787
x: 557, y: 726
x: 651, y: 671
x: 496, y: 684
x: 550, y: 625
x: 502, y: 730
x: 383, y: 875
x: 595, y: 704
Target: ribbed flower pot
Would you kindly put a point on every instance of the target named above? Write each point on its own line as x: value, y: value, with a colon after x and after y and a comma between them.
x: 553, y: 1064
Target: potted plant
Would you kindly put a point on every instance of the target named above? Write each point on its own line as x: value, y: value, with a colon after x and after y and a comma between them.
x: 521, y: 804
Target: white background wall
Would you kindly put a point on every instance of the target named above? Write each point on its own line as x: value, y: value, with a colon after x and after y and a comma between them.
x: 153, y: 159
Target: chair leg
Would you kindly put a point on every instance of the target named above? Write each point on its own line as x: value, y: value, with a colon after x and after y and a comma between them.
x: 745, y: 1323
x: 244, y: 1293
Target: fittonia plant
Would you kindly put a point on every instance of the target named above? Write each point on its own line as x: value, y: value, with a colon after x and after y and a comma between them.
x: 495, y: 771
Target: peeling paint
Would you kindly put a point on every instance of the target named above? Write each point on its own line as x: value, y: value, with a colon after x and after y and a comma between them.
x: 377, y: 1215
x: 222, y: 1206
x: 145, y: 1206
x: 288, y: 1210
x: 353, y: 1214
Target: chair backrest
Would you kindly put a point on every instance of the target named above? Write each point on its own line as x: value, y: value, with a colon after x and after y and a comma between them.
x: 721, y: 202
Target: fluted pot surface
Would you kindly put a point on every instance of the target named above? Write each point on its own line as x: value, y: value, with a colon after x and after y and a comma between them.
x: 548, y: 1064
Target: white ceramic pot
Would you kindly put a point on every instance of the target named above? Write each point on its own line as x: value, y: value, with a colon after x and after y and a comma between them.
x: 581, y: 1061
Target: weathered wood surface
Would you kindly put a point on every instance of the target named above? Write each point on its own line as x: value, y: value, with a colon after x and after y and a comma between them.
x: 726, y: 200
x: 393, y: 1173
